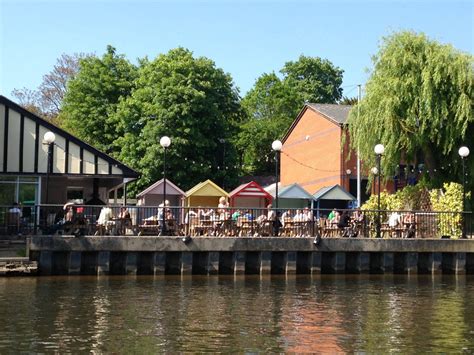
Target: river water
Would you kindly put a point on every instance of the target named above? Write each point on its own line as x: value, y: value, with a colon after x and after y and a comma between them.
x: 328, y: 313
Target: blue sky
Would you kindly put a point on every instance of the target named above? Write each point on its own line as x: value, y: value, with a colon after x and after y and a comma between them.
x: 245, y: 38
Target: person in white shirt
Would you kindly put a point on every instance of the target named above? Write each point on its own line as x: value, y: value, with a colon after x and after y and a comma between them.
x: 308, y: 215
x: 299, y: 216
x: 15, y: 209
x: 394, y: 220
x: 104, y: 221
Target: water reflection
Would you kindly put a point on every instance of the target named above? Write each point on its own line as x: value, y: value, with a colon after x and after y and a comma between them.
x: 246, y: 314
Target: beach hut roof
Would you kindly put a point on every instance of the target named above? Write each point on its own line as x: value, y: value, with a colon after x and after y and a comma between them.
x: 250, y: 189
x: 271, y: 189
x: 157, y: 188
x: 206, y: 188
x: 334, y: 192
x: 294, y: 191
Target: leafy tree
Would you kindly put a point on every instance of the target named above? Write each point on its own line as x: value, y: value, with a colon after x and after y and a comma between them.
x: 314, y: 80
x: 273, y: 103
x: 271, y: 107
x: 93, y: 95
x: 418, y: 103
x: 46, y: 101
x: 449, y: 198
x: 192, y: 102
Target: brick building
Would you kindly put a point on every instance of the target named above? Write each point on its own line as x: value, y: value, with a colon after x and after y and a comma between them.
x: 314, y: 153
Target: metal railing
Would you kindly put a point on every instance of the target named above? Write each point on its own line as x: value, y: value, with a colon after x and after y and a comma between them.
x: 231, y: 222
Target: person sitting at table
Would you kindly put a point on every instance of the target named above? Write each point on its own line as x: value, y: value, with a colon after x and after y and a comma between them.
x: 191, y: 221
x: 248, y: 215
x: 162, y: 209
x: 261, y: 219
x: 335, y: 220
x: 104, y: 221
x: 222, y: 208
x: 206, y: 214
x: 235, y: 216
x: 299, y: 216
x: 359, y: 219
x: 286, y: 216
x: 394, y: 221
x: 298, y: 220
x: 410, y: 225
x: 13, y: 219
x: 308, y: 215
x: 170, y: 221
x: 343, y: 223
x: 190, y: 215
x: 124, y: 220
x: 271, y: 215
x: 309, y: 219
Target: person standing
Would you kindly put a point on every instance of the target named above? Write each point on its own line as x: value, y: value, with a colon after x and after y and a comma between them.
x: 14, y: 217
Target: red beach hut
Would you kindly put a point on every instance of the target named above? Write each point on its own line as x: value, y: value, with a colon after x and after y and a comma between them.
x: 250, y: 195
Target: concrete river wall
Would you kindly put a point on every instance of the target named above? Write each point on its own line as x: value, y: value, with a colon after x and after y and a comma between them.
x: 170, y: 255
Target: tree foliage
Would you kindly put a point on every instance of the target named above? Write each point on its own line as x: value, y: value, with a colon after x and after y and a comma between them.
x: 314, y: 80
x: 418, y: 103
x: 449, y: 198
x: 46, y: 101
x: 271, y: 106
x: 273, y: 103
x: 192, y: 102
x: 93, y: 95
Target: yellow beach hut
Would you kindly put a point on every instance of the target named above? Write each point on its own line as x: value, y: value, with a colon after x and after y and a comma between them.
x: 205, y: 194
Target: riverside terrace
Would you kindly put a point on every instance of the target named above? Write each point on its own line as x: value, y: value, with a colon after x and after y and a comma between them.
x: 88, y: 220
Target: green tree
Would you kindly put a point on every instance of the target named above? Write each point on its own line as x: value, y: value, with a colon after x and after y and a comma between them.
x: 192, y: 102
x: 273, y: 103
x: 271, y: 107
x: 314, y: 80
x: 418, y: 103
x: 93, y: 95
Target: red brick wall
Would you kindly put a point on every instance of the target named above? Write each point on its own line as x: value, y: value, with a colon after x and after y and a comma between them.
x: 315, y: 141
x: 314, y: 155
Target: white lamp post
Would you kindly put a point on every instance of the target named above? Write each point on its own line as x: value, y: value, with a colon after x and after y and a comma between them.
x: 379, y: 149
x: 165, y: 142
x: 463, y: 153
x: 276, y: 146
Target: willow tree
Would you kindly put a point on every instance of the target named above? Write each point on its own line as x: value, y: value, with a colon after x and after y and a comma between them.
x: 419, y: 104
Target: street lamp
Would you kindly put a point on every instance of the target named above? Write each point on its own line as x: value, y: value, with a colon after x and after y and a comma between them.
x: 165, y: 142
x: 348, y: 177
x: 49, y: 138
x: 379, y: 149
x: 276, y: 146
x: 463, y: 153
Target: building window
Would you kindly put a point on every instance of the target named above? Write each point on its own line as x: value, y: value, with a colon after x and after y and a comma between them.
x: 21, y: 189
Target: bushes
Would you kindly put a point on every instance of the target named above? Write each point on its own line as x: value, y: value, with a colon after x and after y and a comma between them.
x: 448, y: 199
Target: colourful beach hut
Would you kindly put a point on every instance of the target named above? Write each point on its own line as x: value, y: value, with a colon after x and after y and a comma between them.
x: 334, y: 196
x: 293, y: 196
x: 205, y: 194
x: 250, y: 195
x: 153, y: 195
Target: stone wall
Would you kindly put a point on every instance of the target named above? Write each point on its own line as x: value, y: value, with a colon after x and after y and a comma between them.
x: 171, y: 255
